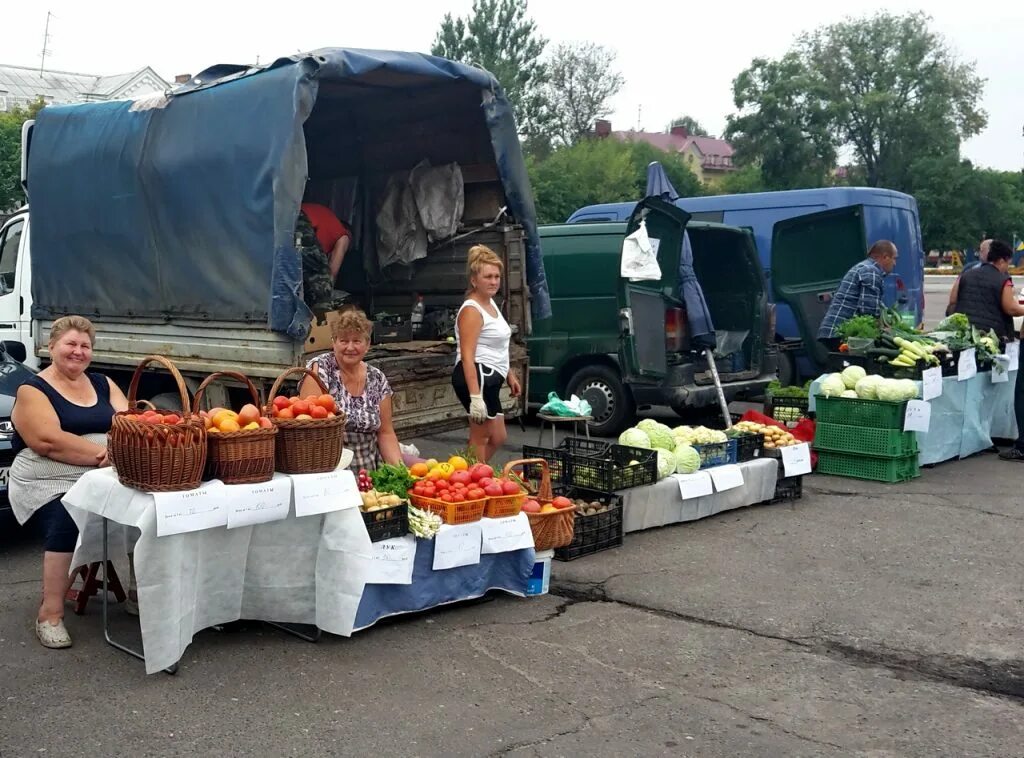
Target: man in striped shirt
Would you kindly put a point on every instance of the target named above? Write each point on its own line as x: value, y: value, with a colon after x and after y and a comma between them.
x: 860, y: 291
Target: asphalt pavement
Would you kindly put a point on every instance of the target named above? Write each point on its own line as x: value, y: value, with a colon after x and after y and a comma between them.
x: 862, y: 619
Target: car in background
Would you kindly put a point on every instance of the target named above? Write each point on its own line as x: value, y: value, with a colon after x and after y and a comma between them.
x: 13, y: 374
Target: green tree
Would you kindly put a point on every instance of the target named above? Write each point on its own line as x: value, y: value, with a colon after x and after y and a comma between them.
x: 693, y: 126
x: 11, y: 194
x: 600, y: 171
x: 498, y: 36
x: 581, y: 82
x: 885, y: 88
x: 742, y: 180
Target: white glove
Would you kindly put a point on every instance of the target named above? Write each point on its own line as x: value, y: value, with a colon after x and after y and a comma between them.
x: 477, y: 408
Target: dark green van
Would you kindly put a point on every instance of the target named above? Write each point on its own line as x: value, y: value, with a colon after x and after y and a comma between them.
x: 623, y: 345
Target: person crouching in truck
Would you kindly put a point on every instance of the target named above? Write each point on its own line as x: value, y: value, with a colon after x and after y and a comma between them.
x: 360, y: 391
x: 322, y: 241
x: 859, y: 293
x: 482, y: 337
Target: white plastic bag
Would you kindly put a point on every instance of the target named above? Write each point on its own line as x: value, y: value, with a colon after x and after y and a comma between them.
x: 639, y: 257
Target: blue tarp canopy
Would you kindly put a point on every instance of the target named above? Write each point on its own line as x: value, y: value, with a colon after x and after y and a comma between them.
x: 188, y: 209
x: 702, y: 330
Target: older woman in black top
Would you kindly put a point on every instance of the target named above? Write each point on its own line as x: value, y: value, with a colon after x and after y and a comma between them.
x: 60, y: 418
x: 986, y: 295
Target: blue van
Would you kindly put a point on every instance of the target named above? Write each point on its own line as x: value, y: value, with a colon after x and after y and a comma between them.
x: 835, y: 228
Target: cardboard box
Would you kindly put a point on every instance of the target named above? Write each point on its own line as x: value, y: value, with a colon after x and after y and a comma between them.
x: 319, y: 338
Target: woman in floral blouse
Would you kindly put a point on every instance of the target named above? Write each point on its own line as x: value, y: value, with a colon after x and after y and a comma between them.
x: 361, y: 391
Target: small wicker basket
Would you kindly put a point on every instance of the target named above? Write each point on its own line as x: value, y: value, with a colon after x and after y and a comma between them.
x: 306, y: 446
x: 157, y: 457
x: 553, y: 529
x: 242, y: 457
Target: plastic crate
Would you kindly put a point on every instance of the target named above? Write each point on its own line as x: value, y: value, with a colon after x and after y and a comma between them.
x: 849, y: 411
x: 613, y: 471
x: 748, y: 446
x: 790, y: 409
x: 452, y: 513
x: 716, y: 453
x: 556, y: 464
x: 592, y: 534
x: 876, y: 469
x: 864, y: 440
x: 584, y: 446
x: 787, y: 489
x: 388, y: 523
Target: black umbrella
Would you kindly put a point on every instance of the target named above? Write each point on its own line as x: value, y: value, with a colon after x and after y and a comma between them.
x: 698, y: 318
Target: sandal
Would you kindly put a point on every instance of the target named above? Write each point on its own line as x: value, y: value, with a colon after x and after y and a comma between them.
x: 53, y: 636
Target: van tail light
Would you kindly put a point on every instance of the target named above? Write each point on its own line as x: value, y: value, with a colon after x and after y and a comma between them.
x: 675, y: 329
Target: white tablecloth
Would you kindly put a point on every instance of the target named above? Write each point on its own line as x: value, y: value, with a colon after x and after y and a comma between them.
x: 660, y: 503
x: 308, y: 570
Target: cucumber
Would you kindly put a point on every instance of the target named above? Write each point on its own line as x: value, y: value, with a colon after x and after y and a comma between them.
x: 883, y: 352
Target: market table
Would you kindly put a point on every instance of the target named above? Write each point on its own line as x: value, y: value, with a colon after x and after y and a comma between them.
x: 661, y: 503
x: 964, y: 418
x: 310, y: 570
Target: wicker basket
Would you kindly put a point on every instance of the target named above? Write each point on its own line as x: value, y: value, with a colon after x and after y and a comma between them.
x: 243, y: 457
x: 306, y: 446
x: 550, y: 530
x: 157, y: 457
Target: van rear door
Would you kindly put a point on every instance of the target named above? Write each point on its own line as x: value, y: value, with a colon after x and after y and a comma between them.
x: 810, y: 256
x: 642, y: 305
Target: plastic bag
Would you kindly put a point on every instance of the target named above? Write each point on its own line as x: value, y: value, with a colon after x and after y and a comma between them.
x: 639, y: 257
x: 574, y: 406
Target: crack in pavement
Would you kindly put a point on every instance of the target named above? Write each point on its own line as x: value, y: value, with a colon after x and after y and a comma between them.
x: 772, y: 724
x: 1003, y: 679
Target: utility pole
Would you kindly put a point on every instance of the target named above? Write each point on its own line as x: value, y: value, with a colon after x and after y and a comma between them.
x: 639, y: 110
x: 46, y: 43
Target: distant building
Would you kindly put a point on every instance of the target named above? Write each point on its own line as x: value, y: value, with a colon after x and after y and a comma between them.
x: 709, y: 158
x: 20, y: 86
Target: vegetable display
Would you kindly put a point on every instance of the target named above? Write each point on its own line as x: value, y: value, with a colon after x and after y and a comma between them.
x: 393, y: 479
x: 666, y: 463
x: 687, y: 459
x: 774, y: 437
x: 635, y: 438
x: 424, y: 524
x: 870, y: 387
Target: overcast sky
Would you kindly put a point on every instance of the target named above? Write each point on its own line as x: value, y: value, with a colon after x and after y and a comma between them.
x: 676, y: 57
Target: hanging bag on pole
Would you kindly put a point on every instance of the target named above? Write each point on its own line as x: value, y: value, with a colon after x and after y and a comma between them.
x: 639, y: 257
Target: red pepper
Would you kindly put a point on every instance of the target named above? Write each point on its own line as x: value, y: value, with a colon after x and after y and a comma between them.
x: 844, y: 348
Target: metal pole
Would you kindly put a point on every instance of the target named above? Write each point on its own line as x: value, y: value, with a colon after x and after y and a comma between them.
x: 724, y: 406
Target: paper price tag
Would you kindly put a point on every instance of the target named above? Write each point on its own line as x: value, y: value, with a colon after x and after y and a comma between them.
x: 456, y: 546
x: 325, y: 493
x: 250, y: 504
x: 931, y: 383
x: 697, y: 484
x: 796, y: 459
x: 1013, y: 353
x: 1000, y: 372
x: 726, y: 477
x: 503, y: 535
x: 392, y: 561
x: 918, y: 417
x: 967, y: 366
x: 191, y: 510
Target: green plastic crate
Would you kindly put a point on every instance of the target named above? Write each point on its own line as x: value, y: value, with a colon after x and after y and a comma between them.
x: 849, y: 411
x: 864, y: 440
x: 876, y: 469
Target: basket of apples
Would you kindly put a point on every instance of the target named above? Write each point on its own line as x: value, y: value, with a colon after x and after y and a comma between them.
x: 552, y: 519
x: 311, y: 429
x: 239, y: 446
x: 157, y: 450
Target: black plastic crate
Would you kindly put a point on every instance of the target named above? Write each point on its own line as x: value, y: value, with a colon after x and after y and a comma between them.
x: 387, y: 523
x: 592, y: 534
x: 584, y: 446
x: 748, y: 446
x: 792, y: 409
x: 556, y: 465
x: 613, y: 471
x: 787, y: 489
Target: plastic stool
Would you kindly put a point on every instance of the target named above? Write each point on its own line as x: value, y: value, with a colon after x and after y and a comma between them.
x: 556, y: 420
x: 92, y: 582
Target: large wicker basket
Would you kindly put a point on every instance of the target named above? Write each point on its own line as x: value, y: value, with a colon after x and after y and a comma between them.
x: 306, y: 446
x: 550, y: 530
x: 242, y: 457
x: 157, y: 457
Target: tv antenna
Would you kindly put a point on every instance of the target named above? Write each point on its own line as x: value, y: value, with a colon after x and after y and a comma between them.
x: 46, y: 43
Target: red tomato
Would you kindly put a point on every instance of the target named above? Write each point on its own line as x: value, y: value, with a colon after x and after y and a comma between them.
x: 494, y: 490
x: 446, y: 496
x: 442, y: 485
x: 281, y: 402
x: 458, y: 497
x: 172, y: 419
x: 562, y: 502
x: 475, y: 493
x: 485, y: 481
x: 479, y: 471
x: 510, y: 487
x: 460, y: 477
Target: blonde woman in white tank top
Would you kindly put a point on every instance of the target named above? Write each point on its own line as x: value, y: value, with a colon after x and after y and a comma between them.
x: 483, y: 337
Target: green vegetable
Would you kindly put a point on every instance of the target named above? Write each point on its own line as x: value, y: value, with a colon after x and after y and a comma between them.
x: 859, y: 326
x: 635, y: 438
x: 687, y: 459
x: 851, y: 375
x: 777, y: 390
x: 958, y: 322
x: 833, y: 386
x: 661, y: 437
x: 392, y: 479
x: 666, y: 463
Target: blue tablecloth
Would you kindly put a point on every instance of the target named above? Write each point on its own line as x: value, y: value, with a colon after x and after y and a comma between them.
x: 965, y: 417
x: 501, y: 571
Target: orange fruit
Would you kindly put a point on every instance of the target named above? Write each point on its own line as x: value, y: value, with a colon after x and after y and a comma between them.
x: 458, y: 463
x: 252, y: 425
x: 229, y: 425
x: 221, y: 416
x: 318, y: 411
x: 248, y: 414
x: 419, y: 469
x: 327, y: 402
x: 284, y: 413
x: 300, y: 407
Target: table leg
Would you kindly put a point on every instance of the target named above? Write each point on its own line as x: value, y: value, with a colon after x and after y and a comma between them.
x: 106, y: 603
x: 294, y: 630
x: 540, y: 434
x: 554, y: 440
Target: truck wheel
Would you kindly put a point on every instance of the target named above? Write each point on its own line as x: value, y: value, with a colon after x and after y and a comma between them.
x: 612, y: 405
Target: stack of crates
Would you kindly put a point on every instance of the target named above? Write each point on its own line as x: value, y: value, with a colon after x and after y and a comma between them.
x: 864, y: 439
